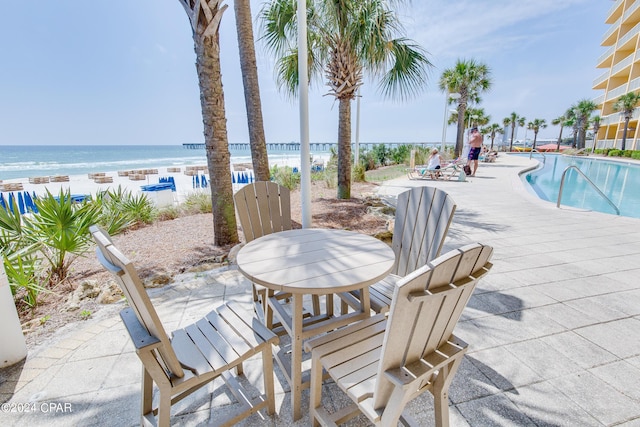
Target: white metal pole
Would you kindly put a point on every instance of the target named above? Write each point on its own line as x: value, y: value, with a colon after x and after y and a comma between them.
x: 444, y: 124
x: 356, y: 158
x: 305, y: 152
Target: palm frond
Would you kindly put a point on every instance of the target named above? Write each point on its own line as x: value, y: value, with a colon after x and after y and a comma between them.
x: 409, y: 69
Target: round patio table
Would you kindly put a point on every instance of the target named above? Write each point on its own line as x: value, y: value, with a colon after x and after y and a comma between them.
x: 307, y: 262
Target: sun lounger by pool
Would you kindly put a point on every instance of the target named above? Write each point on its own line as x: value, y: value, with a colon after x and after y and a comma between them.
x: 446, y: 172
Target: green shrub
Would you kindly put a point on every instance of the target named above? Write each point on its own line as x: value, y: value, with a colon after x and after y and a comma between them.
x: 636, y: 155
x: 284, y: 176
x: 614, y: 153
x: 358, y: 173
x: 170, y: 212
x: 196, y: 203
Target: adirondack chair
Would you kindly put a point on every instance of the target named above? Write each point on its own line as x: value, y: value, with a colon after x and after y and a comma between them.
x: 263, y: 208
x: 385, y: 361
x: 423, y: 217
x: 194, y: 356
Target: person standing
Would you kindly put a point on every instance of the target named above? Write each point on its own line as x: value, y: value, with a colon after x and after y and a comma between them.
x: 475, y: 144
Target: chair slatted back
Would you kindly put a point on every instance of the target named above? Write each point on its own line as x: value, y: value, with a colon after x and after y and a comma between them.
x: 423, y: 217
x: 263, y: 208
x: 425, y: 309
x: 127, y: 278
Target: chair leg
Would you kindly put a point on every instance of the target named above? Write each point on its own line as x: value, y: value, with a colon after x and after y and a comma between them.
x: 147, y: 392
x: 164, y: 408
x: 267, y: 369
x: 315, y: 400
x: 441, y: 392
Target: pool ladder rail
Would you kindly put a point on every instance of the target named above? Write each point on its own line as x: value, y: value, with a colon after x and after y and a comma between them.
x: 589, y: 181
x: 544, y: 158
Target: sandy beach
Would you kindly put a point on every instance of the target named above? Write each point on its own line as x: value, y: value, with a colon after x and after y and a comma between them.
x: 135, y: 180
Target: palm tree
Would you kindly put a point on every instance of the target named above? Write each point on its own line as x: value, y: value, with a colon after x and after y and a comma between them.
x: 535, y: 126
x: 561, y: 120
x: 572, y: 121
x: 596, y: 127
x: 204, y: 18
x: 346, y: 38
x: 468, y: 78
x: 626, y: 104
x: 583, y: 111
x: 253, y: 104
x: 492, y: 130
x: 478, y: 117
x: 513, y: 120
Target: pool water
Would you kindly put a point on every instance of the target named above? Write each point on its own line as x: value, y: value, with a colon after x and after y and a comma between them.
x: 619, y: 181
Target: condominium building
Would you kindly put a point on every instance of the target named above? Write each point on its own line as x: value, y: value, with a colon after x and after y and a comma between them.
x: 621, y: 62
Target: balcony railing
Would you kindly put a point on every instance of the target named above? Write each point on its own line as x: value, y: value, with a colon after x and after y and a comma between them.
x: 610, y: 31
x: 622, y: 64
x: 599, y: 100
x: 601, y: 78
x: 634, y: 84
x: 607, y: 54
x: 614, y: 93
x: 630, y: 34
x: 614, y: 7
x: 629, y: 11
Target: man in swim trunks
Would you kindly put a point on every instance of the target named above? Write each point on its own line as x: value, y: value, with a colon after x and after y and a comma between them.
x: 475, y: 142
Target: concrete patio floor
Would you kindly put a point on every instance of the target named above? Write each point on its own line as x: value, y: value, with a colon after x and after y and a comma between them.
x: 554, y: 329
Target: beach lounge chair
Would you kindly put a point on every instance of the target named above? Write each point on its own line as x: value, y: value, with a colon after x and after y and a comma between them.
x: 383, y: 362
x: 263, y: 208
x: 194, y: 356
x: 446, y: 172
x: 423, y: 217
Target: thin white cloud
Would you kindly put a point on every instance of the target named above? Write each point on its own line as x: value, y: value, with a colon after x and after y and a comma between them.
x: 468, y: 27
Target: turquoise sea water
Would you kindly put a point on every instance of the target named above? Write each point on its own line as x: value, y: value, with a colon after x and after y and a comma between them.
x: 42, y: 160
x: 619, y: 181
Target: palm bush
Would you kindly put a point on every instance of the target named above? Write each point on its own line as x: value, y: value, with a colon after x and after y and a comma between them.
x: 19, y: 255
x: 62, y: 227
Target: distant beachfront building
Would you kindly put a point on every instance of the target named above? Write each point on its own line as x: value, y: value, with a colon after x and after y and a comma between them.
x: 622, y: 63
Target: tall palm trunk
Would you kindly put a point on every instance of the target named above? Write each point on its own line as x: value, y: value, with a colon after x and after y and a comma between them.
x: 249, y: 70
x: 560, y: 137
x: 624, y: 132
x: 344, y: 149
x: 513, y: 131
x: 582, y: 136
x: 205, y: 20
x: 535, y: 138
x: 462, y: 107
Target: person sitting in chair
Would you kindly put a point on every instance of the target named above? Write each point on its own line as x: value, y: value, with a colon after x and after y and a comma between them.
x: 434, y: 161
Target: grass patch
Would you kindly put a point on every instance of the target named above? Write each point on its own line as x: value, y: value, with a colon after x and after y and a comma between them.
x: 385, y: 173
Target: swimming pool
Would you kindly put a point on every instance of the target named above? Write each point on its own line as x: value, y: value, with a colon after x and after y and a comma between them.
x: 619, y: 181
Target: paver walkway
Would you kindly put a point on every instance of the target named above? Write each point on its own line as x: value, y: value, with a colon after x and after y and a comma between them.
x: 554, y: 329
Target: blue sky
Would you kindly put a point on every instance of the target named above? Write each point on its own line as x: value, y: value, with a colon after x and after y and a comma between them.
x: 122, y: 71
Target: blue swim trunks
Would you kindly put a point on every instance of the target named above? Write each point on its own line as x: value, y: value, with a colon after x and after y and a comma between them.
x: 474, y: 153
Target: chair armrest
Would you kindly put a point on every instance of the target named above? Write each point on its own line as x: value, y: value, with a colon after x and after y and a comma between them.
x: 141, y: 338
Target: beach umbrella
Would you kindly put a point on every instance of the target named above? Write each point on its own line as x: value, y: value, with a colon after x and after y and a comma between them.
x: 193, y: 181
x: 250, y: 176
x: 28, y: 200
x: 11, y: 202
x: 21, y: 203
x: 2, y: 202
x: 204, y: 181
x: 233, y: 177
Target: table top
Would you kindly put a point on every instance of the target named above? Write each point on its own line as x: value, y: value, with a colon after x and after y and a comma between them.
x: 315, y: 261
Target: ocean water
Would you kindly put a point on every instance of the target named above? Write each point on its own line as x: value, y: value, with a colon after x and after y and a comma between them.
x: 46, y: 160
